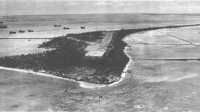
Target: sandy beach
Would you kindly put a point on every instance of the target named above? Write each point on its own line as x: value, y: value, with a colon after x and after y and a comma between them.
x: 81, y: 83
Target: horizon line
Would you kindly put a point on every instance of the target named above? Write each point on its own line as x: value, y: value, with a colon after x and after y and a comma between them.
x: 102, y: 14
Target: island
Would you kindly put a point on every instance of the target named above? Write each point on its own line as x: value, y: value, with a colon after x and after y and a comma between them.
x: 96, y: 57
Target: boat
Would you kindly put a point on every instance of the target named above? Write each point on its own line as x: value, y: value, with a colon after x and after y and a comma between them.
x: 30, y: 30
x: 57, y: 25
x: 21, y: 31
x: 82, y: 27
x: 66, y: 28
x: 12, y: 32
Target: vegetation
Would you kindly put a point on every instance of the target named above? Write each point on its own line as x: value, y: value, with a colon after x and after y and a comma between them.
x: 68, y: 57
x: 68, y: 54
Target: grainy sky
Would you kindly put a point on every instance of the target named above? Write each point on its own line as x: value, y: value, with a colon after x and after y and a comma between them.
x: 31, y: 7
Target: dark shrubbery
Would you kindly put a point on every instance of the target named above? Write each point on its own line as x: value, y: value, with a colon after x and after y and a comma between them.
x: 69, y: 53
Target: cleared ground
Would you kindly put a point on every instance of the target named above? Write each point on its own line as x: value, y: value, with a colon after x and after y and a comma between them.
x: 157, y: 81
x: 97, y: 49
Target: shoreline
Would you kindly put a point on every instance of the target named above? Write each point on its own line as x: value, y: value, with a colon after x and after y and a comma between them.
x: 122, y: 77
x: 108, y: 68
x: 124, y: 72
x: 47, y: 75
x: 82, y: 84
x: 88, y: 85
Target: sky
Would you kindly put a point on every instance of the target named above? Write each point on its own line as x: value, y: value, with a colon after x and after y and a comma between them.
x: 38, y: 7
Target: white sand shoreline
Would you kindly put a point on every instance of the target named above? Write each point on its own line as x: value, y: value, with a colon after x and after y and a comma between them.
x: 123, y: 75
x: 49, y: 75
x: 81, y: 83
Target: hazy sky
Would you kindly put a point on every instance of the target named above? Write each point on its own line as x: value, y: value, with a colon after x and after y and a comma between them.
x: 24, y: 7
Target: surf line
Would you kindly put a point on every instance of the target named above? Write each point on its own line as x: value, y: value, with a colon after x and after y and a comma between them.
x: 122, y: 76
x: 81, y: 83
x: 51, y: 76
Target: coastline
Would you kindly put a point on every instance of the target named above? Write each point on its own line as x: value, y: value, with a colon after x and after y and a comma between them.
x: 82, y: 84
x: 88, y: 85
x: 124, y: 72
x: 122, y: 77
x: 69, y: 58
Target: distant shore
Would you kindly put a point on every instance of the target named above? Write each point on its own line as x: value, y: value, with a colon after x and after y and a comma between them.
x: 68, y: 58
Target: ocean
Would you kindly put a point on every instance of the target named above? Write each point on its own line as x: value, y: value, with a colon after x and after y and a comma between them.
x: 43, y: 27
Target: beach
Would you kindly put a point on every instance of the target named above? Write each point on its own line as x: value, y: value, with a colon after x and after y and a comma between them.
x: 81, y: 83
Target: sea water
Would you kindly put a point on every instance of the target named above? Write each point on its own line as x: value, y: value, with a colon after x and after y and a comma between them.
x: 43, y: 27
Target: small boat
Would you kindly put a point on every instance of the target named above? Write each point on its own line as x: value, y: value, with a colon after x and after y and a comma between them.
x: 12, y: 32
x: 21, y: 31
x: 30, y: 31
x: 57, y: 25
x: 82, y: 27
x: 66, y: 28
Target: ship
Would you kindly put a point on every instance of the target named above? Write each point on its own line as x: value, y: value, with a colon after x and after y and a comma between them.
x: 29, y: 30
x: 66, y: 28
x: 57, y: 25
x: 12, y: 32
x: 82, y: 27
x: 21, y: 31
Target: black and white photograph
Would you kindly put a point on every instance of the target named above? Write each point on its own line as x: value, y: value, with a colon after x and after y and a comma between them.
x: 99, y: 56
